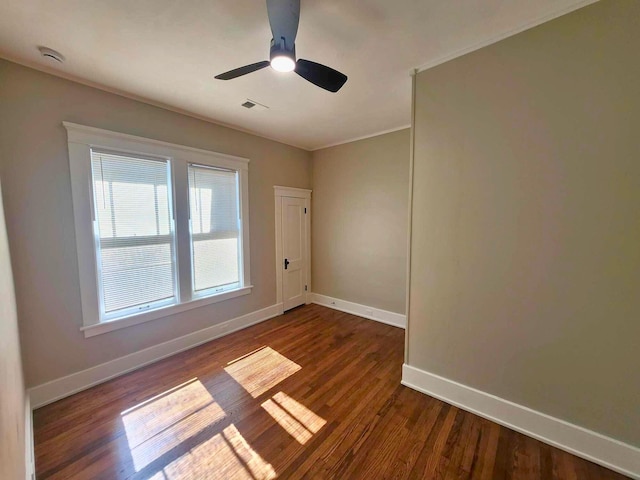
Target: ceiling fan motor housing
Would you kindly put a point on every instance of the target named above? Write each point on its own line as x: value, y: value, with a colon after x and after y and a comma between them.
x: 282, y: 50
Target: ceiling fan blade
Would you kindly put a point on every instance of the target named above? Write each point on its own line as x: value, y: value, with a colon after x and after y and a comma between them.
x: 238, y: 72
x: 284, y: 16
x: 320, y: 75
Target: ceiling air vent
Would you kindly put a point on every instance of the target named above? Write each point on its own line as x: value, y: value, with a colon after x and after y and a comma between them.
x: 253, y: 104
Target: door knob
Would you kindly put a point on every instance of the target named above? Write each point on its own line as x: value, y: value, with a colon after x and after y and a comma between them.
x: 286, y: 263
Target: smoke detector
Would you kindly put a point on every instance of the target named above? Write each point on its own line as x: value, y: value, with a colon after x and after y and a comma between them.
x: 51, y: 54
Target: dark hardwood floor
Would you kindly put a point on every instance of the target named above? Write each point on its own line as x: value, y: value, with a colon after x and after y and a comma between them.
x: 314, y: 393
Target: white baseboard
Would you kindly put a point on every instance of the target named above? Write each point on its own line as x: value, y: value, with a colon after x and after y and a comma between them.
x: 597, y: 448
x: 29, y: 456
x: 63, y: 387
x: 384, y: 316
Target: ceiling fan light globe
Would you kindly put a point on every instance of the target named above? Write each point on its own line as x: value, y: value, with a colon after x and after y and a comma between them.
x: 282, y: 63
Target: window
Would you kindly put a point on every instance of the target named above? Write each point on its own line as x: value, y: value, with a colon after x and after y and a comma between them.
x: 134, y: 233
x: 215, y: 229
x: 160, y: 228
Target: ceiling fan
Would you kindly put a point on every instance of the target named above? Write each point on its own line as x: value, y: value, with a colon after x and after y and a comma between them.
x: 284, y: 16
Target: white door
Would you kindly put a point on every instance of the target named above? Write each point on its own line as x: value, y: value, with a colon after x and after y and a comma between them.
x: 294, y: 252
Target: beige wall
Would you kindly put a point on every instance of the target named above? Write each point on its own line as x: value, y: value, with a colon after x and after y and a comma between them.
x: 525, y: 271
x: 12, y: 391
x: 359, y: 222
x: 35, y: 170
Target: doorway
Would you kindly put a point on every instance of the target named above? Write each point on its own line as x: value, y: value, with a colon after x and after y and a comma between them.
x: 293, y: 246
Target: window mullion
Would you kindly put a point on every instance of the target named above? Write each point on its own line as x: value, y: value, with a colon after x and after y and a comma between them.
x: 181, y: 224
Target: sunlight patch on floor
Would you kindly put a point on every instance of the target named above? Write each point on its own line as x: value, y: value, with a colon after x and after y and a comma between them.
x: 225, y: 455
x: 261, y: 370
x: 160, y: 424
x: 299, y: 422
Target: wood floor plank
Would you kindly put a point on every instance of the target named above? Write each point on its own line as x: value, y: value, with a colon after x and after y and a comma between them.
x: 314, y: 393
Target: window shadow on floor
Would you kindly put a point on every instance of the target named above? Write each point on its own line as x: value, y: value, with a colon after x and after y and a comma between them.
x: 197, y: 431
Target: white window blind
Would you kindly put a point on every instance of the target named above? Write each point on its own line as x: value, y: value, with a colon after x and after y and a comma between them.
x: 134, y: 233
x: 215, y: 229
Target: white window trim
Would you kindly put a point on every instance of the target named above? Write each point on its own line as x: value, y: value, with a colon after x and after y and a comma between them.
x: 80, y: 141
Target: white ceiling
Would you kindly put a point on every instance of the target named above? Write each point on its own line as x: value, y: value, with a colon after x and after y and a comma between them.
x: 167, y: 52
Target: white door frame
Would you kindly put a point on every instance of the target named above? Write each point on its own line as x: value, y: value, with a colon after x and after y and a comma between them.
x: 295, y: 193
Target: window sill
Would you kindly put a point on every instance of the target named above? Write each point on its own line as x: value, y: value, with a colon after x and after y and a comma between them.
x: 104, y: 327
